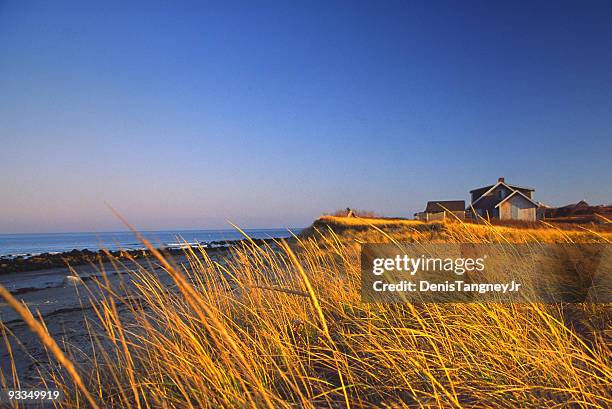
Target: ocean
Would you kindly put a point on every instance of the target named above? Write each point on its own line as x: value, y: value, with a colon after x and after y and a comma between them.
x: 13, y: 245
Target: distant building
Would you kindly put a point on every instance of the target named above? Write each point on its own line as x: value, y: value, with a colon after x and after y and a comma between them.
x: 574, y: 209
x: 441, y: 209
x: 543, y: 211
x: 504, y: 201
x: 580, y: 212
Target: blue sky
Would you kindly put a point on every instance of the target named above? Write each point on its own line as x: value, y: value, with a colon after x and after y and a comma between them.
x: 186, y: 115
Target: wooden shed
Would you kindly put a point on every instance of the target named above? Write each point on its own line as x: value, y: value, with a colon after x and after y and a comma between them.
x: 441, y: 209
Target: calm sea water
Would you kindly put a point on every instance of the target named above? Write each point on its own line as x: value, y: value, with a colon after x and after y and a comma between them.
x: 31, y: 244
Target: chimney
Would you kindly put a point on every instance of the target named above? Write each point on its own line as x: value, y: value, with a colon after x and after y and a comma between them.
x: 501, y: 179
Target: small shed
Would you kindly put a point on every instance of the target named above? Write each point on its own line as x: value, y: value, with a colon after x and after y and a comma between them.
x: 441, y: 209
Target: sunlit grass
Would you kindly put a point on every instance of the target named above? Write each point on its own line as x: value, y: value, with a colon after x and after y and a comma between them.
x: 358, y: 221
x: 283, y: 326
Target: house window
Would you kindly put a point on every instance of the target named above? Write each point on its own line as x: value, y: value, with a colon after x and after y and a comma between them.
x: 502, y: 193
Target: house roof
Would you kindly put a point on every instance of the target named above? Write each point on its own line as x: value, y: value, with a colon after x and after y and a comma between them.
x: 438, y: 206
x: 482, y: 193
x: 516, y: 192
x: 491, y: 188
x: 581, y: 203
x: 513, y: 187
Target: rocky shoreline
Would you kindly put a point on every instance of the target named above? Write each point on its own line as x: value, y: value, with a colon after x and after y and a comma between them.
x: 65, y: 299
x: 9, y: 264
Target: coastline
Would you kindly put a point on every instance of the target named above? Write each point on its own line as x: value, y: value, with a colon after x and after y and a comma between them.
x: 61, y: 289
x: 78, y: 257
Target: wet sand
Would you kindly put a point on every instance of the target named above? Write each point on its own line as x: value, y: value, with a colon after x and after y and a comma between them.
x: 63, y: 302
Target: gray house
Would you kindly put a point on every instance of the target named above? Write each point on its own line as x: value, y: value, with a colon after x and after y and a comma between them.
x: 504, y: 201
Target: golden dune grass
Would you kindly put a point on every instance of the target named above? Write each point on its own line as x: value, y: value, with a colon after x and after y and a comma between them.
x: 359, y: 221
x: 283, y: 326
x: 455, y: 230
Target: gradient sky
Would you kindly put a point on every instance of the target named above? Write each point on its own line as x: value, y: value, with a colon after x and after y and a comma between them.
x: 185, y: 115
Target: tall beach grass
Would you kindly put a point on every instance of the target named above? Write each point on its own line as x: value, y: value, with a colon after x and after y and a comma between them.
x: 282, y: 325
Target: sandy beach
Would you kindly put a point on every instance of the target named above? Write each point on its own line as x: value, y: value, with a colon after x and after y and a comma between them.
x: 64, y: 302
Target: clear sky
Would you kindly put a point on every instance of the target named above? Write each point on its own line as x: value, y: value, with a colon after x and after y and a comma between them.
x: 185, y: 115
